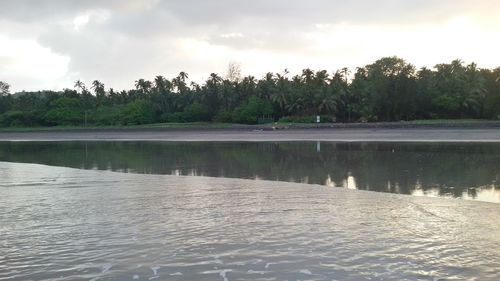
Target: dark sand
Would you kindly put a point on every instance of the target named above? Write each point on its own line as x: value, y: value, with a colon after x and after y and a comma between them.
x: 313, y: 134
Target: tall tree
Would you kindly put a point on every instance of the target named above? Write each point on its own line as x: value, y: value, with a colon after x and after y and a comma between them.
x: 5, y: 98
x: 99, y: 91
x: 280, y: 96
x: 79, y: 85
x: 143, y: 86
x: 234, y: 72
x: 390, y: 88
x: 4, y: 88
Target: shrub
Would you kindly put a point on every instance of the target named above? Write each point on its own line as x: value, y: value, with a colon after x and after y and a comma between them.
x: 196, y: 112
x: 65, y: 111
x: 250, y: 112
x: 176, y: 117
x: 224, y: 116
x: 192, y: 113
x: 105, y: 115
x: 13, y: 119
x: 136, y: 113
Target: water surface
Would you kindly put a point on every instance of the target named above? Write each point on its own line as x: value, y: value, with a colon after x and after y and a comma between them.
x: 453, y: 170
x: 73, y: 224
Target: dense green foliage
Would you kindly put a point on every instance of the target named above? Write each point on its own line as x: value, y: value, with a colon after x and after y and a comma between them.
x: 390, y: 89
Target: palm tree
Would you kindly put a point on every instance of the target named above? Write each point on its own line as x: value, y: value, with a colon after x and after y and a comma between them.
x: 228, y: 94
x: 296, y: 105
x: 183, y: 76
x: 98, y: 88
x: 4, y: 89
x: 341, y: 90
x: 266, y: 86
x: 269, y: 77
x: 325, y: 102
x: 475, y: 90
x: 160, y: 83
x: 179, y: 82
x: 321, y: 77
x: 80, y: 86
x: 323, y: 99
x: 308, y: 75
x: 214, y: 79
x: 250, y: 80
x: 248, y: 87
x: 279, y: 96
x: 195, y: 86
x: 144, y: 86
x: 99, y: 91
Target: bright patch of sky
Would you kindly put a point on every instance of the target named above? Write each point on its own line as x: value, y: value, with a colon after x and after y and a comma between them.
x: 48, y: 44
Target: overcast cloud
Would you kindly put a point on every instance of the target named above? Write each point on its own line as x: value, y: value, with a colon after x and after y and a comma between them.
x: 48, y: 44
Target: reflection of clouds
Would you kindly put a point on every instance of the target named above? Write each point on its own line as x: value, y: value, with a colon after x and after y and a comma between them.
x: 485, y: 193
x: 329, y: 182
x: 350, y: 183
x: 122, y: 224
x: 304, y: 180
x: 433, y: 192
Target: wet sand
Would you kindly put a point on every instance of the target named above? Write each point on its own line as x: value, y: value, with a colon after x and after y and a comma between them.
x: 317, y: 134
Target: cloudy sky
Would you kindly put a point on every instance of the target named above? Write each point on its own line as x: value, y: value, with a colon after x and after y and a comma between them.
x: 49, y: 44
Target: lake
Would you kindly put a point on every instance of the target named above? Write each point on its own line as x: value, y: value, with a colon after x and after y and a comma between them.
x: 249, y: 211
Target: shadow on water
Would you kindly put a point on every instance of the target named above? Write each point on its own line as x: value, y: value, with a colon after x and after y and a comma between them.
x: 461, y: 170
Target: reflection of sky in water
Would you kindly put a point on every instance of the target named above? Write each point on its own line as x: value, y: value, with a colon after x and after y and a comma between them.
x: 487, y: 193
x: 73, y: 224
x: 484, y: 193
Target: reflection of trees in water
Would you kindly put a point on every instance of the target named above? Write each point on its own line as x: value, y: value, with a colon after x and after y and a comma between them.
x: 399, y: 168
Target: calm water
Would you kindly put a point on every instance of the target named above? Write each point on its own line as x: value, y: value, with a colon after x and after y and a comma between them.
x: 465, y: 170
x: 71, y: 224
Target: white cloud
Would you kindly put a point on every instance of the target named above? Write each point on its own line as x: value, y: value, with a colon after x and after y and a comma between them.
x: 80, y: 21
x: 26, y: 60
x: 51, y: 43
x: 423, y: 44
x: 232, y: 35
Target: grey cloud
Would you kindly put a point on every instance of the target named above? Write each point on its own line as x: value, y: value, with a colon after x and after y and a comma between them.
x: 221, y: 12
x: 109, y: 56
x: 133, y: 41
x: 212, y: 18
x: 42, y: 10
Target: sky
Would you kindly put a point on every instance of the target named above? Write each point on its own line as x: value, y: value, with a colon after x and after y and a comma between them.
x: 49, y: 44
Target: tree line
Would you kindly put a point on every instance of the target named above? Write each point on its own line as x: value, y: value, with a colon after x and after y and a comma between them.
x: 389, y: 89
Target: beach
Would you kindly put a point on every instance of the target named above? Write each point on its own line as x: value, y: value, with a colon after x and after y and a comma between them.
x: 444, y: 134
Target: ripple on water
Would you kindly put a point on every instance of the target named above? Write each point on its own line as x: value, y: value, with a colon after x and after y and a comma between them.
x: 191, y: 228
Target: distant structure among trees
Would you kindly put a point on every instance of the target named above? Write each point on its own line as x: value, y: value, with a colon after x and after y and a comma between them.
x: 389, y: 89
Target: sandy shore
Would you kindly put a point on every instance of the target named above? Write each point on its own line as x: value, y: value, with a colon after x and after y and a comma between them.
x: 322, y: 134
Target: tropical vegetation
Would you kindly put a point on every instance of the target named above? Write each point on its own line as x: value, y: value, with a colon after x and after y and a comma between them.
x: 389, y: 89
